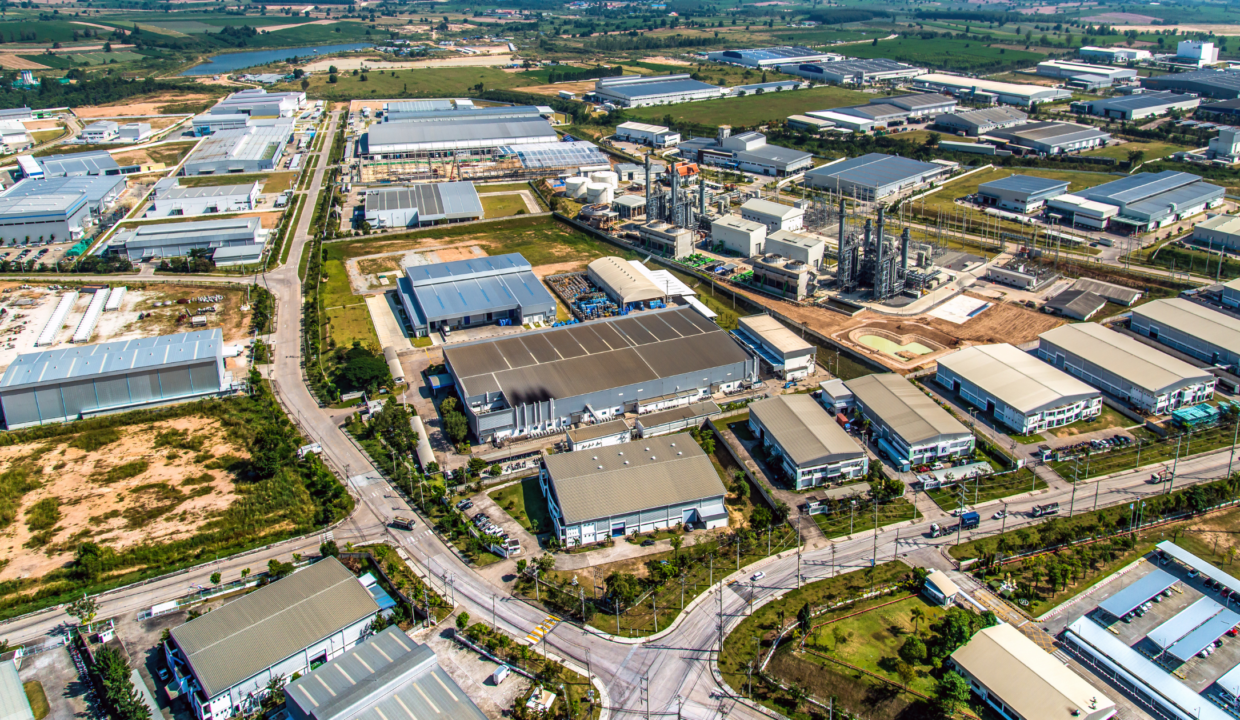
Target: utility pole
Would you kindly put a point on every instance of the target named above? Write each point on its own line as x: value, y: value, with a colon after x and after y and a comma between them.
x: 1175, y: 463
x: 800, y: 543
x: 1232, y: 455
x: 874, y: 552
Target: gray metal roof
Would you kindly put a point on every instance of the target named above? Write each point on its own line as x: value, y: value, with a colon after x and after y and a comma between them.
x: 394, y: 136
x: 1026, y: 184
x: 386, y: 677
x: 775, y: 334
x: 918, y: 101
x: 59, y: 205
x: 640, y: 475
x: 1110, y: 291
x: 679, y: 414
x: 477, y: 285
x: 806, y: 432
x: 1131, y: 597
x: 1080, y: 304
x: 861, y: 66
x: 177, y: 193
x: 82, y: 361
x: 639, y: 90
x: 254, y: 632
x: 1183, y: 622
x: 773, y: 153
x: 412, y: 106
x: 1135, y: 188
x: 465, y: 113
x: 1204, y: 635
x: 903, y: 407
x: 875, y: 111
x: 96, y: 162
x: 986, y: 117
x: 1146, y: 367
x: 1214, y: 83
x: 1137, y: 102
x: 1050, y: 133
x: 437, y: 201
x: 96, y: 187
x: 162, y: 234
x: 598, y: 430
x: 254, y: 142
x: 1016, y: 377
x: 1208, y: 326
x: 14, y: 705
x: 875, y: 170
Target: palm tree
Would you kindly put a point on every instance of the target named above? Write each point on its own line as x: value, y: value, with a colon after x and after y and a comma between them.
x: 677, y: 541
x: 916, y: 615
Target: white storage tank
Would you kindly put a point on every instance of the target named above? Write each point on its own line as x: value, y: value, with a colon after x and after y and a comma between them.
x: 606, y: 177
x: 598, y: 193
x: 575, y: 187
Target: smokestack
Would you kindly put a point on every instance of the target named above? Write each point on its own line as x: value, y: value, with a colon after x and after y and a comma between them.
x: 840, y: 237
x: 701, y: 195
x: 647, y: 183
x: 869, y: 233
x: 671, y: 211
x: 904, y: 241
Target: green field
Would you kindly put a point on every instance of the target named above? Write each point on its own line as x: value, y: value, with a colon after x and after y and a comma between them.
x: 437, y: 82
x: 525, y: 503
x: 503, y: 206
x: 948, y: 54
x: 272, y: 182
x: 980, y: 490
x: 1152, y: 149
x: 754, y: 109
x: 45, y: 31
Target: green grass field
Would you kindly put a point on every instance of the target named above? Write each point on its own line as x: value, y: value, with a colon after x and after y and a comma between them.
x: 45, y: 31
x: 102, y: 58
x: 949, y: 54
x: 754, y: 109
x: 1109, y: 418
x: 1153, y: 150
x: 525, y: 503
x: 42, y: 136
x: 503, y: 206
x: 437, y: 82
x: 862, y: 518
x: 37, y: 698
x: 984, y: 489
x: 272, y: 182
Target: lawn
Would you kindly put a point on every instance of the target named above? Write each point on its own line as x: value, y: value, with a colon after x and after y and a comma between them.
x: 37, y: 698
x: 1190, y: 259
x: 863, y: 516
x: 1146, y: 452
x: 350, y: 323
x: 1153, y: 150
x: 754, y: 109
x: 1110, y: 418
x: 272, y: 182
x: 502, y: 206
x: 945, y: 53
x: 980, y: 490
x: 525, y: 503
x: 170, y: 154
x: 42, y: 136
x: 430, y: 82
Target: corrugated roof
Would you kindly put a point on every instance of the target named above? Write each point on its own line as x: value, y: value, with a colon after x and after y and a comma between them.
x: 1110, y: 291
x: 1146, y: 367
x: 95, y: 187
x: 1016, y: 377
x: 14, y: 705
x: 178, y: 193
x: 622, y: 281
x: 1209, y: 326
x: 1141, y: 101
x: 1026, y: 184
x: 806, y: 432
x: 436, y: 201
x: 476, y: 285
x: 628, y: 478
x: 242, y: 229
x: 597, y: 430
x: 768, y: 207
x: 1229, y: 224
x: 874, y: 170
x: 1141, y: 186
x: 908, y: 411
x: 388, y: 137
x: 679, y: 414
x: 252, y: 633
x: 82, y: 361
x: 669, y: 87
x: 95, y: 162
x: 775, y: 333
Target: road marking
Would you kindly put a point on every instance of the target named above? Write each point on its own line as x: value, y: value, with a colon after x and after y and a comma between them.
x: 542, y: 629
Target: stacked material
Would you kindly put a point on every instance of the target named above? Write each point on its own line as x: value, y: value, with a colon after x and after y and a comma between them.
x: 86, y: 327
x: 114, y: 299
x: 48, y: 335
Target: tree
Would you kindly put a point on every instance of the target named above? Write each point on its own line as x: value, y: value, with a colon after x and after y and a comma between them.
x: 913, y: 650
x: 932, y: 140
x: 760, y: 519
x: 119, y: 693
x: 951, y: 694
x: 1135, y: 157
x: 362, y: 369
x: 245, y: 572
x: 805, y: 617
x: 329, y: 549
x: 305, y: 84
x: 916, y: 615
x: 215, y: 578
x: 277, y: 569
x: 622, y: 587
x: 456, y: 426
x: 495, y: 470
x: 88, y: 560
x: 476, y: 465
x: 84, y: 609
x: 797, y: 694
x: 333, y: 78
x: 274, y: 696
x: 462, y: 621
x: 677, y: 541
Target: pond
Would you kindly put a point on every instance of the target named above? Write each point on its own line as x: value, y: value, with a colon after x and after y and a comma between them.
x: 231, y: 62
x: 892, y: 348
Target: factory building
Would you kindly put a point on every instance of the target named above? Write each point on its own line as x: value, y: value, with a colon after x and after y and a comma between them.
x: 422, y: 205
x: 1224, y: 110
x: 665, y: 240
x: 980, y: 122
x: 157, y: 241
x: 920, y: 105
x: 93, y: 162
x: 1197, y: 53
x: 639, y: 487
x: 686, y: 417
x: 781, y: 276
x: 808, y: 124
x: 134, y: 132
x: 257, y: 102
x: 552, y: 379
x: 989, y: 90
x: 1076, y: 304
x: 1075, y: 210
x: 807, y: 249
x: 1052, y: 138
x: 789, y: 356
x: 775, y: 216
x: 655, y: 136
x: 101, y: 191
x: 598, y: 435
x: 256, y: 148
x: 209, y: 123
x: 84, y: 381
x: 14, y: 137
x: 43, y: 218
x: 1127, y: 368
x: 1113, y: 54
x: 1021, y: 392
x: 1084, y: 74
x: 1111, y: 292
x: 622, y: 282
x: 1147, y: 201
x: 744, y: 237
x: 1020, y: 193
x: 1221, y: 231
x: 234, y: 255
x: 1225, y: 147
x: 407, y: 112
x: 1138, y: 107
x: 747, y: 151
x: 1208, y: 83
x: 189, y: 201
x: 805, y: 442
x: 630, y: 91
x: 854, y: 71
x: 874, y: 176
x: 447, y: 138
x: 1208, y: 335
x: 771, y: 57
x: 906, y: 423
x: 765, y: 87
x: 100, y: 133
x: 477, y: 291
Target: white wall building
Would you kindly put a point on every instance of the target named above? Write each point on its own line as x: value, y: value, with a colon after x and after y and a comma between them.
x: 1113, y: 54
x: 653, y: 135
x: 188, y: 201
x: 103, y: 131
x: 1196, y: 52
x: 743, y: 237
x: 805, y: 442
x: 775, y: 216
x: 788, y: 355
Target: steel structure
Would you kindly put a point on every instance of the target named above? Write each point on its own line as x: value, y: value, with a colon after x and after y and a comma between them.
x: 871, y: 258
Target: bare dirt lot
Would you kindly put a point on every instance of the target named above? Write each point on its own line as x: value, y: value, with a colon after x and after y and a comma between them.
x: 143, y: 106
x: 1122, y: 18
x: 10, y: 61
x: 584, y: 86
x: 348, y: 63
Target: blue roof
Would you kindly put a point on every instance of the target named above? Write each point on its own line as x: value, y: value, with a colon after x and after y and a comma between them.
x: 639, y: 90
x: 1138, y: 187
x: 875, y: 170
x: 123, y: 355
x: 94, y: 162
x: 1204, y: 635
x: 476, y: 286
x: 772, y: 53
x: 1138, y: 102
x: 1025, y: 184
x: 1131, y: 597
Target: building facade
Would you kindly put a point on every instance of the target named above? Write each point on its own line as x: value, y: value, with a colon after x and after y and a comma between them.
x: 189, y: 201
x: 1020, y: 193
x: 789, y: 356
x: 1197, y: 330
x: 775, y: 216
x: 655, y: 136
x: 906, y: 423
x: 155, y: 241
x: 743, y: 237
x: 806, y: 443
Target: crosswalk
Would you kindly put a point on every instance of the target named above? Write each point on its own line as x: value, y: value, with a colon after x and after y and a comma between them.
x: 543, y: 629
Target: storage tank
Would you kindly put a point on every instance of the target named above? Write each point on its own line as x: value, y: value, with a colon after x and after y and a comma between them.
x: 606, y: 177
x: 598, y: 193
x: 575, y: 187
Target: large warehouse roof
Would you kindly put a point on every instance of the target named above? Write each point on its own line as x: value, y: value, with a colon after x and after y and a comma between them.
x: 1025, y: 185
x: 463, y: 113
x: 434, y: 201
x: 474, y: 287
x: 908, y: 411
x: 94, y: 162
x: 1049, y: 133
x: 958, y: 82
x: 1146, y: 367
x: 624, y: 283
x: 633, y: 87
x: 1142, y: 101
x: 806, y: 432
x: 211, y: 231
x: 628, y: 478
x: 1154, y: 194
x: 572, y: 361
x: 774, y: 333
x: 1220, y: 84
x: 253, y: 632
x: 1209, y: 326
x: 874, y: 170
x: 1015, y: 377
x: 83, y: 361
x: 770, y: 55
x: 96, y: 187
x: 453, y: 133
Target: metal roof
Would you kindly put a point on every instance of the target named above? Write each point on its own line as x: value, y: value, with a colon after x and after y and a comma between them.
x: 628, y: 478
x: 1230, y: 681
x: 598, y: 430
x: 161, y: 234
x: 1139, y: 102
x: 82, y: 361
x: 555, y: 155
x: 1028, y: 679
x: 637, y: 90
x: 642, y: 127
x: 96, y: 162
x: 1204, y: 635
x: 436, y: 201
x: 1199, y: 565
x: 1050, y: 133
x: 1115, y: 293
x: 772, y: 153
x: 457, y: 132
x: 14, y: 705
x: 1184, y: 622
x: 462, y: 113
x: 1209, y: 326
x: 414, y: 106
x: 774, y: 333
x: 387, y: 676
x: 1135, y: 188
x: 875, y: 111
x: 791, y: 53
x: 1015, y: 377
x: 987, y: 116
x: 1229, y: 224
x: 1025, y: 184
x: 664, y: 279
x: 679, y: 414
x: 95, y: 187
x: 768, y: 207
x: 254, y: 632
x: 209, y: 191
x: 787, y: 237
x: 917, y: 101
x: 62, y: 204
x: 874, y: 170
x: 871, y: 66
x: 957, y: 82
x: 254, y: 142
x: 572, y: 361
x: 1079, y: 304
x: 622, y: 281
x: 1146, y: 367
x: 903, y: 407
x: 1217, y: 83
x: 1136, y: 594
x: 475, y: 286
x: 806, y: 432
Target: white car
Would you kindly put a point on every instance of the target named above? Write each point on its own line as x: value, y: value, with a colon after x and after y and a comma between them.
x: 757, y: 576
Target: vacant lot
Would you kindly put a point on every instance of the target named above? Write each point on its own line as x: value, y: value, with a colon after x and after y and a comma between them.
x: 525, y: 503
x: 500, y: 206
x: 754, y: 109
x: 271, y: 182
x: 1152, y: 150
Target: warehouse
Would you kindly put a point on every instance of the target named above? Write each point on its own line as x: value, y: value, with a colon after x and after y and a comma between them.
x: 43, y: 217
x: 14, y: 137
x: 446, y: 138
x: 1216, y: 84
x: 257, y: 102
x: 101, y: 191
x: 655, y: 136
x: 980, y: 122
x: 1110, y: 292
x: 1002, y: 92
x: 908, y: 425
x: 134, y: 132
x: 771, y: 57
x: 1138, y: 107
x: 305, y: 620
x: 1224, y: 110
x: 843, y: 121
x: 747, y: 151
x: 1052, y: 138
x: 1206, y: 334
x: 630, y: 91
x: 477, y: 291
x: 152, y: 241
x: 188, y: 201
x: 1147, y: 201
x: 807, y: 249
x: 874, y: 176
x: 1020, y: 193
x: 1076, y: 304
x: 1017, y: 678
x: 920, y: 105
x: 256, y: 148
x: 667, y: 240
x: 805, y: 442
x: 685, y: 417
x: 744, y: 237
x: 99, y: 133
x: 384, y: 676
x: 500, y: 112
x: 773, y: 86
x: 93, y: 162
x: 1068, y: 70
x: 789, y: 356
x: 775, y: 216
x: 645, y: 486
x: 238, y: 255
x: 421, y: 205
x: 1222, y: 231
x: 549, y: 379
x: 1021, y: 392
x: 809, y: 124
x: 854, y: 72
x: 622, y: 282
x: 1075, y: 210
x: 83, y: 381
x: 873, y: 117
x: 1113, y: 54
x: 1125, y: 367
x: 209, y: 123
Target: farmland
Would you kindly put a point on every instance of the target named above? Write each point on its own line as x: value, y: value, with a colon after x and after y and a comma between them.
x: 754, y: 109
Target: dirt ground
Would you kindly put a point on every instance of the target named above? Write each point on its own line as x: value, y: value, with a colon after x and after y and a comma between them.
x: 169, y: 499
x: 43, y: 124
x: 660, y: 59
x: 542, y: 271
x: 9, y: 61
x: 157, y: 123
x: 148, y: 105
x: 583, y: 86
x: 348, y: 63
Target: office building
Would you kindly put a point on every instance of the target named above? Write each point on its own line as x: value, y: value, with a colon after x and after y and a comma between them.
x: 788, y: 355
x: 980, y: 122
x: 99, y: 133
x: 805, y: 443
x: 772, y: 57
x: 1020, y: 193
x: 630, y: 91
x: 422, y: 205
x: 478, y: 291
x: 165, y: 240
x: 775, y: 216
x: 655, y: 136
x: 854, y: 71
x: 1206, y: 334
x: 1138, y: 107
x: 253, y: 149
x: 874, y: 176
x: 1220, y: 231
x: 744, y: 237
x: 1206, y: 83
x: 1051, y: 138
x: 906, y: 423
x: 189, y: 201
x: 989, y: 90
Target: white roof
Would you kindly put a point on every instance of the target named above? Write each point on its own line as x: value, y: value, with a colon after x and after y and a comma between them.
x: 1196, y: 320
x: 774, y: 333
x: 1015, y: 377
x: 1146, y: 367
x: 1082, y: 204
x: 643, y: 127
x: 736, y: 222
x: 697, y: 305
x: 942, y: 583
x: 774, y: 209
x: 664, y: 279
x: 1229, y: 224
x: 993, y: 86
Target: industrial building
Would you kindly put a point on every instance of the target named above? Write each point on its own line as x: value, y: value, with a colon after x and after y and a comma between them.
x: 1221, y: 231
x: 666, y: 240
x: 189, y: 201
x: 764, y: 87
x: 775, y: 216
x: 807, y: 249
x: 100, y: 133
x: 234, y: 255
x: 1076, y: 304
x: 1019, y: 679
x: 1084, y: 75
x: 14, y: 137
x: 655, y: 136
x: 685, y: 417
x: 623, y: 282
x: 874, y: 176
x: 1197, y: 53
x: 92, y: 162
x: 209, y: 123
x: 1111, y: 292
x: 385, y: 676
x: 82, y: 381
x: 744, y: 237
x: 1075, y: 210
x: 1225, y: 110
x: 1051, y: 138
x: 453, y: 137
x: 1021, y: 392
x: 747, y: 151
x: 771, y: 57
x: 1147, y: 201
x: 256, y: 148
x: 43, y: 217
x: 1216, y: 84
x: 1138, y: 107
x: 789, y: 356
x: 166, y: 240
x: 305, y: 619
x: 551, y: 379
x: 805, y: 442
x: 781, y: 276
x: 639, y: 487
x: 477, y: 291
x: 630, y: 91
x: 134, y: 132
x: 604, y: 434
x: 1206, y: 334
x: 808, y: 124
x: 989, y: 90
x: 407, y: 112
x: 1113, y: 54
x: 908, y: 425
x: 421, y: 205
x: 1225, y: 147
x: 101, y: 191
x: 257, y: 102
x: 980, y: 122
x: 1020, y: 193
x: 854, y: 71
x: 1127, y: 368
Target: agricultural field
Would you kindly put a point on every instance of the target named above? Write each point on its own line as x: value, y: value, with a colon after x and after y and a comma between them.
x: 429, y: 82
x: 946, y: 54
x: 754, y: 109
